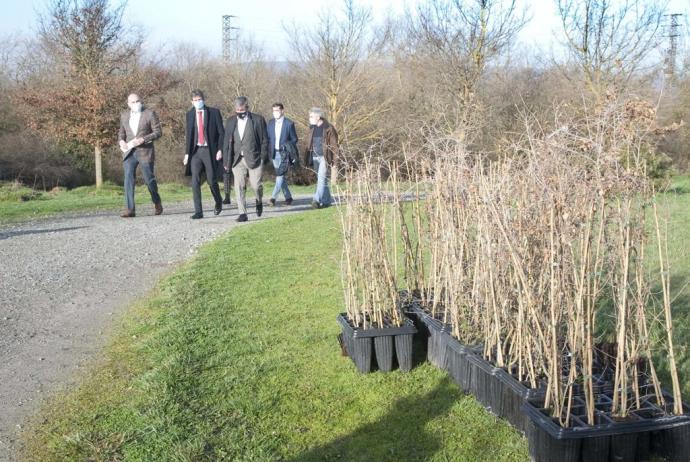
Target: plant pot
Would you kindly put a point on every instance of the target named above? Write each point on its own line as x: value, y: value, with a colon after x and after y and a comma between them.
x: 458, y: 366
x: 403, y: 350
x: 437, y: 333
x: 387, y: 343
x: 676, y: 443
x: 383, y: 346
x: 596, y: 449
x: 544, y: 448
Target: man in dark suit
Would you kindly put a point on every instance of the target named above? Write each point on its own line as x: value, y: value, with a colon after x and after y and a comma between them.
x: 204, y: 136
x: 139, y: 127
x: 245, y: 151
x: 282, y: 140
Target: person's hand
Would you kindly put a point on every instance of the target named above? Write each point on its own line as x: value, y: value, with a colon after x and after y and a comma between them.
x: 186, y: 159
x: 219, y: 155
x: 138, y: 141
x: 227, y: 169
x: 123, y: 145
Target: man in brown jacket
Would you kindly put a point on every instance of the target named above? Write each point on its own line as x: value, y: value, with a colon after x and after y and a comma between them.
x: 322, y: 154
x: 139, y: 127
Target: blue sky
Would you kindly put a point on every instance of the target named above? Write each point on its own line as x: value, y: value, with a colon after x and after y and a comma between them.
x: 199, y: 21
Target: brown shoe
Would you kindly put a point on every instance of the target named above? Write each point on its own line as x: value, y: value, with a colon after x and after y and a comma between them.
x: 128, y: 213
x: 159, y: 208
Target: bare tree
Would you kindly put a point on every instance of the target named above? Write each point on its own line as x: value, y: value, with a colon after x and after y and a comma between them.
x: 9, y: 50
x: 339, y: 66
x: 451, y: 42
x: 609, y: 41
x: 248, y: 73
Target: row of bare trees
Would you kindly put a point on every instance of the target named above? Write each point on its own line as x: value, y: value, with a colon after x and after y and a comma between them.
x: 445, y: 71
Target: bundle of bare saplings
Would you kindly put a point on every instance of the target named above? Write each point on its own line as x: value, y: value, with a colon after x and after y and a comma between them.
x: 540, y: 278
x: 369, y: 268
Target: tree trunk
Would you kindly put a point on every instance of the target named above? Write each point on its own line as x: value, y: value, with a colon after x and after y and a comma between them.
x: 99, y: 167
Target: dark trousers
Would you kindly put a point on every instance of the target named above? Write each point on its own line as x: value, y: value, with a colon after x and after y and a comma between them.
x: 130, y: 167
x: 227, y: 182
x: 201, y: 160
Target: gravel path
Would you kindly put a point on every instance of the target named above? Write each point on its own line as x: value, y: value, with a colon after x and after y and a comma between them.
x: 62, y: 281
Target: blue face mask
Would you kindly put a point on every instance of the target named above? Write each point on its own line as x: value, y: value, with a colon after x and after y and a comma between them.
x: 199, y: 105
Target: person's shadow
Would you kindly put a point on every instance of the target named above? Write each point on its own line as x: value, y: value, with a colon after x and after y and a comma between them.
x: 399, y: 435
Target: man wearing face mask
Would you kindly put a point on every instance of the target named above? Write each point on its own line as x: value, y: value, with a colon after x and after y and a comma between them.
x: 139, y: 127
x: 245, y: 150
x: 282, y: 141
x: 204, y: 136
x: 322, y: 154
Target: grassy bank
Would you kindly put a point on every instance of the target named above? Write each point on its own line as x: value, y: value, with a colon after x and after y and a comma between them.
x: 234, y: 357
x: 19, y: 203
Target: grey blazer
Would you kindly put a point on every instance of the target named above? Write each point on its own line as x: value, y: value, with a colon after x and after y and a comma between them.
x: 253, y: 159
x: 149, y: 129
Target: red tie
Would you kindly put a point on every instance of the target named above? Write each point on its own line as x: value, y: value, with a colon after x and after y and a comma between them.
x: 200, y: 124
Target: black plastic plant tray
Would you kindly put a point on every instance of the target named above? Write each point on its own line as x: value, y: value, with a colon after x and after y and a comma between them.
x: 497, y: 390
x: 383, y: 344
x: 407, y: 328
x: 645, y: 433
x: 649, y: 430
x: 637, y: 422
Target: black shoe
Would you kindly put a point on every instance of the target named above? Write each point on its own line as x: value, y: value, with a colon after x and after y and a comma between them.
x: 288, y: 201
x: 242, y: 217
x: 272, y: 201
x: 226, y: 200
x: 259, y: 208
x: 315, y: 205
x: 196, y: 216
x: 218, y: 209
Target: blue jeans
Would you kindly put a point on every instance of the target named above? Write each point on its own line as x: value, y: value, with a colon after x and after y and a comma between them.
x: 281, y: 181
x: 130, y: 166
x: 323, y: 192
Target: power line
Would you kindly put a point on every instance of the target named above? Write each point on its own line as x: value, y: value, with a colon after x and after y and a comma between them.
x: 229, y: 35
x: 672, y: 51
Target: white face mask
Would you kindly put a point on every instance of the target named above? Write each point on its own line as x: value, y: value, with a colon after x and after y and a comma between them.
x: 313, y: 120
x: 277, y: 115
x: 199, y: 105
x: 135, y: 107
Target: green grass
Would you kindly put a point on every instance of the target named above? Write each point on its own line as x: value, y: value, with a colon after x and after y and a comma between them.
x: 675, y: 211
x: 18, y: 203
x: 234, y: 357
